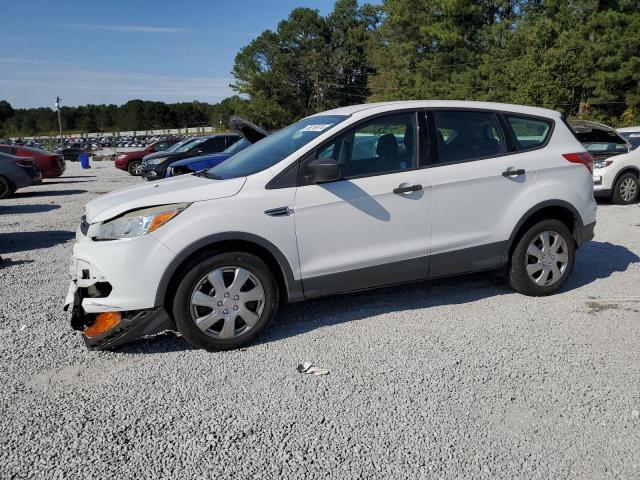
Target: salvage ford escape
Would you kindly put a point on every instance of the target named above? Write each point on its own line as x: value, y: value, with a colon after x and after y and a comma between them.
x: 350, y: 199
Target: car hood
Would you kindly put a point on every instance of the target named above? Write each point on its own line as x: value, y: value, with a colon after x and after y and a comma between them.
x: 201, y: 158
x: 248, y: 130
x: 182, y: 189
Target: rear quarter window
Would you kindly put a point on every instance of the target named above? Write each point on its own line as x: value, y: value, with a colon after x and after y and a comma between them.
x: 529, y: 132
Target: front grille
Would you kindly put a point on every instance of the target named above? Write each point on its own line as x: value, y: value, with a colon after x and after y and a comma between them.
x: 84, y: 225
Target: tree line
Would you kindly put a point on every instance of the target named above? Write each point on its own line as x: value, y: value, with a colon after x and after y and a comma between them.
x: 581, y: 57
x: 136, y: 115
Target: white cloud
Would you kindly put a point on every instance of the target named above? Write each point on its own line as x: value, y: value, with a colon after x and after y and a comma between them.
x: 124, y: 28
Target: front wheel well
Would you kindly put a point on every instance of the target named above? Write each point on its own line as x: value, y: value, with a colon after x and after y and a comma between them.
x: 222, y: 247
x: 555, y: 212
x: 633, y: 170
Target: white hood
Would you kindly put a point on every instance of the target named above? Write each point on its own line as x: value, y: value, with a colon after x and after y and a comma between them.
x: 182, y: 189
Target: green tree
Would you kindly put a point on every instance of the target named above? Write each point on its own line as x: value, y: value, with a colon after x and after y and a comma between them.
x: 310, y: 63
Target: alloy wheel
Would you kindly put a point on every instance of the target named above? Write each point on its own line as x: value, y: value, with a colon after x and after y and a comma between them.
x: 227, y: 302
x: 547, y: 258
x: 628, y: 189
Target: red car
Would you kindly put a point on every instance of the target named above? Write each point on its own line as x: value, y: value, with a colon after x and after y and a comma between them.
x: 132, y: 161
x: 50, y: 164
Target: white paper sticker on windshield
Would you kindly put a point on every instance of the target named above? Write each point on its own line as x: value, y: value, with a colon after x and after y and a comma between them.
x: 315, y: 128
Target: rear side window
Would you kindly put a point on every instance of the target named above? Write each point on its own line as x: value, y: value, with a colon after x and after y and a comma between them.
x: 529, y: 132
x: 464, y: 136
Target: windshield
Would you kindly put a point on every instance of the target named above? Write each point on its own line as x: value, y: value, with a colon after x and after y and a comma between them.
x: 605, y: 147
x: 274, y: 148
x: 173, y: 148
x: 633, y: 138
x: 238, y: 146
x: 189, y: 145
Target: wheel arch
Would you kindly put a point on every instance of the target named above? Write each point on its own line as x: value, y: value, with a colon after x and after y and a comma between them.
x: 550, y: 209
x: 290, y: 288
x: 628, y: 169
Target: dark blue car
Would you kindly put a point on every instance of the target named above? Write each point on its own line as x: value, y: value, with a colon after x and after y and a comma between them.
x: 251, y: 134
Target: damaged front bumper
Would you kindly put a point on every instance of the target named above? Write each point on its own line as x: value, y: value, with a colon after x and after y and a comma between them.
x: 123, y: 327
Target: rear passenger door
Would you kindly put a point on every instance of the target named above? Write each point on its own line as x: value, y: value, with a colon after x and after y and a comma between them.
x: 480, y: 183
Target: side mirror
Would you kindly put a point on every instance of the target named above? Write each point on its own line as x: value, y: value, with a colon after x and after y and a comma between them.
x: 323, y: 170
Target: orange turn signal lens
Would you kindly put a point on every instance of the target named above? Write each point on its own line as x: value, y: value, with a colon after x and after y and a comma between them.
x: 160, y: 219
x: 104, y: 321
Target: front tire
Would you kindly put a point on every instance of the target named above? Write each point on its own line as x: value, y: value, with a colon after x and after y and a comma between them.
x: 543, y: 259
x: 626, y: 189
x: 135, y: 168
x: 224, y: 301
x: 6, y: 187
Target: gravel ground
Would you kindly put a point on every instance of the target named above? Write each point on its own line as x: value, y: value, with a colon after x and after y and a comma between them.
x: 452, y: 379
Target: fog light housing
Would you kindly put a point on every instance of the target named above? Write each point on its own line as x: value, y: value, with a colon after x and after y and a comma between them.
x: 597, y: 180
x: 104, y: 322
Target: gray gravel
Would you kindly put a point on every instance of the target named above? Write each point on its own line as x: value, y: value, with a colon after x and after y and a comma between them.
x: 455, y: 379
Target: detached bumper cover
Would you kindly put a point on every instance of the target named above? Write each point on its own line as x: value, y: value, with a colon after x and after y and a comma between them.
x: 133, y: 326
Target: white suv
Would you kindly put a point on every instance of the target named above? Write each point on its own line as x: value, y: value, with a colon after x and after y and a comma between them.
x: 616, y: 166
x: 350, y: 199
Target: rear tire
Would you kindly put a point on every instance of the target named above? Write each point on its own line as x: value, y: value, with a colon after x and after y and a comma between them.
x: 135, y: 168
x: 224, y: 301
x: 6, y: 187
x: 542, y: 260
x: 626, y: 189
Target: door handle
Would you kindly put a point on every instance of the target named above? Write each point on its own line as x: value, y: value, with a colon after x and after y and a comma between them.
x: 513, y: 172
x: 412, y: 188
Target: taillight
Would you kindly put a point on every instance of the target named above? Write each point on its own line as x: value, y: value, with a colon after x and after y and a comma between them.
x: 581, y: 157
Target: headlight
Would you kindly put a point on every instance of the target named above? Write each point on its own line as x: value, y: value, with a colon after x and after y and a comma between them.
x: 154, y: 161
x: 602, y: 163
x: 122, y: 156
x: 139, y: 222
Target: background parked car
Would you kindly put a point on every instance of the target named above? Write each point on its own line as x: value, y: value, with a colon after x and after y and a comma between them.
x: 51, y: 165
x: 631, y: 135
x: 251, y: 133
x: 132, y: 161
x: 616, y: 169
x: 155, y: 167
x: 17, y: 172
x: 70, y: 154
x: 599, y: 140
x: 616, y: 178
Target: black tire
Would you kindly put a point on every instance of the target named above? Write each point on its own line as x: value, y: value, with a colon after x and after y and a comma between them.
x: 518, y: 277
x: 6, y: 187
x: 626, y: 189
x: 194, y: 272
x: 134, y: 167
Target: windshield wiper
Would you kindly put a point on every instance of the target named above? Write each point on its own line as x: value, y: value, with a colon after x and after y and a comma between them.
x: 205, y: 173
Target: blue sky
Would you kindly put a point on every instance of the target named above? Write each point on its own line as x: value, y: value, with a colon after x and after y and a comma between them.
x: 111, y: 52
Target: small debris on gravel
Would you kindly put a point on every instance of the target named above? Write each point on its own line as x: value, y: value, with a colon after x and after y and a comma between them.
x: 310, y: 369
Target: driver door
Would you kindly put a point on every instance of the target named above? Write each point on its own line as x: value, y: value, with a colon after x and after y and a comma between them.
x: 371, y: 227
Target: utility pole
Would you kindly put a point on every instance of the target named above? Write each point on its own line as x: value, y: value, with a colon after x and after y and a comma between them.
x: 59, y: 120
